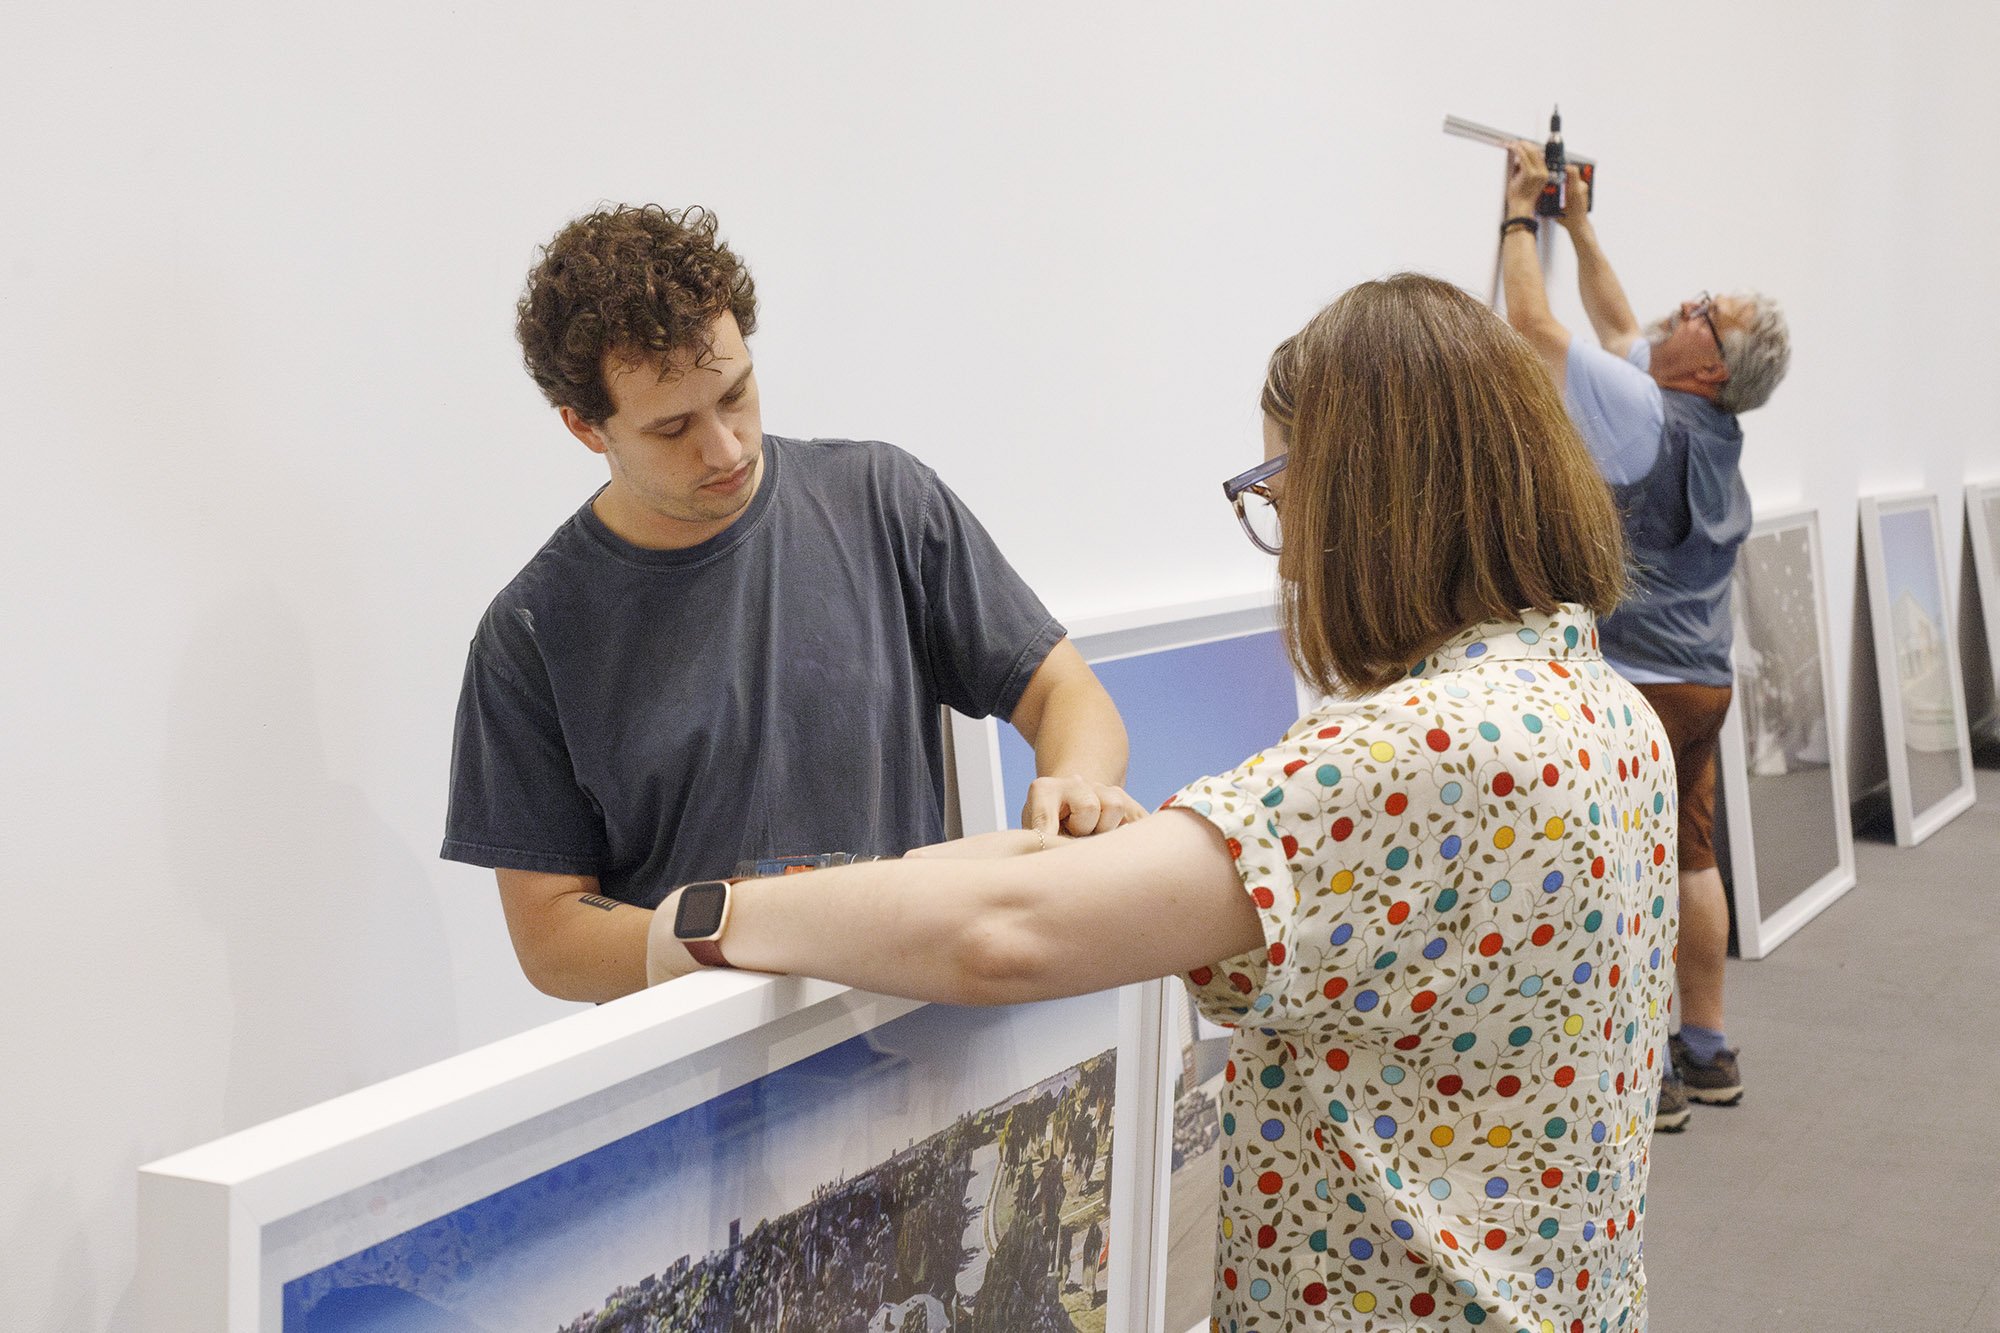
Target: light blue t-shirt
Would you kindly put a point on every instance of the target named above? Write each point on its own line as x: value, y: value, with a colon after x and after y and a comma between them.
x: 1617, y: 409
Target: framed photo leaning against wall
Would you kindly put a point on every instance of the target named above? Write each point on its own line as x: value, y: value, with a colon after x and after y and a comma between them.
x: 1790, y: 845
x: 1981, y: 623
x: 1916, y: 664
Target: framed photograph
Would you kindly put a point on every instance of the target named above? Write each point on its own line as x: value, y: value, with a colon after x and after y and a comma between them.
x: 1790, y: 842
x: 1916, y: 660
x: 733, y: 1150
x: 1980, y: 617
x: 1201, y: 686
x: 726, y: 1151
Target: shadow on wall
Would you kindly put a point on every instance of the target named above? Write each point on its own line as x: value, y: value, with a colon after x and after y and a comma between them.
x: 338, y: 970
x: 74, y: 1283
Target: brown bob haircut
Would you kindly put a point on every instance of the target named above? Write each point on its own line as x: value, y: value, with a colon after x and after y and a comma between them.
x: 1434, y: 481
x: 636, y: 283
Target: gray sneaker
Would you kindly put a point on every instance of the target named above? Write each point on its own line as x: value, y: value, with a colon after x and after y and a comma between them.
x: 1670, y: 1115
x: 1717, y: 1084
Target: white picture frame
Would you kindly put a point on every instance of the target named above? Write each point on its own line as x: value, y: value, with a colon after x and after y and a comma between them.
x: 1914, y: 631
x: 989, y: 795
x: 1982, y: 541
x: 1784, y: 773
x: 225, y: 1227
x: 1169, y: 669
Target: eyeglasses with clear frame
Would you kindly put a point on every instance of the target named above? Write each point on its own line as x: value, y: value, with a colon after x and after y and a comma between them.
x: 1256, y: 507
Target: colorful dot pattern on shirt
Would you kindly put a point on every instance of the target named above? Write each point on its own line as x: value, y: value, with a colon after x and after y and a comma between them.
x: 1439, y: 1104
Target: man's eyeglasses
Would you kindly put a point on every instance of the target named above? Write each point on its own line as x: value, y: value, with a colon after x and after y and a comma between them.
x: 1256, y: 508
x: 1703, y: 306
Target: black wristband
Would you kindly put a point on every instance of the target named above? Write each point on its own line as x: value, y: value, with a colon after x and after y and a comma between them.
x: 1529, y: 225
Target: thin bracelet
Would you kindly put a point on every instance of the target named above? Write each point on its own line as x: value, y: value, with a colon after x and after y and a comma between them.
x: 1532, y: 227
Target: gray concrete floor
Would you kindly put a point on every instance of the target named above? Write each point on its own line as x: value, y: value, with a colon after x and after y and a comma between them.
x: 1857, y: 1186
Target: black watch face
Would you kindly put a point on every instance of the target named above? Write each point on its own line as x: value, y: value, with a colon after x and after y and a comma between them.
x: 700, y: 913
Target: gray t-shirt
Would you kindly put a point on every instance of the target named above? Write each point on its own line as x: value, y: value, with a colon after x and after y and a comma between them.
x: 654, y: 717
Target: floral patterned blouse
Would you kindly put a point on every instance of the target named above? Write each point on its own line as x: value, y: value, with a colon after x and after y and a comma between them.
x: 1439, y: 1105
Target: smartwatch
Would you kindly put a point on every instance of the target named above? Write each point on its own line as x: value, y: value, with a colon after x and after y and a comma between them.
x: 700, y: 917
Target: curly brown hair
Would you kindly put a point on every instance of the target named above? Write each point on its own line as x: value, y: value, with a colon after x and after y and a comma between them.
x: 638, y: 282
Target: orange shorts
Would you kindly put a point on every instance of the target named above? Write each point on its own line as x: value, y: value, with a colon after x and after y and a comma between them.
x: 1692, y: 716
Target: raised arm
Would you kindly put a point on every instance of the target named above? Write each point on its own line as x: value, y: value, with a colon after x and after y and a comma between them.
x: 1080, y: 749
x: 1610, y: 314
x: 1521, y: 277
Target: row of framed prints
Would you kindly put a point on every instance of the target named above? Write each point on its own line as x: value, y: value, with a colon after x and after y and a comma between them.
x: 1788, y: 802
x: 731, y: 1153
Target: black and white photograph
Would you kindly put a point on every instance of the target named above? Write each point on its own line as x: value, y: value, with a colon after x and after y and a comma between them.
x: 1790, y: 849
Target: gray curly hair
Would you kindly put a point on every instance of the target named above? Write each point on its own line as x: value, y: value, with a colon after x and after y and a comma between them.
x: 1757, y: 355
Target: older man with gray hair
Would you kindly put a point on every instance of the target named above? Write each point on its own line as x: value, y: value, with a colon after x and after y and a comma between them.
x: 1658, y: 407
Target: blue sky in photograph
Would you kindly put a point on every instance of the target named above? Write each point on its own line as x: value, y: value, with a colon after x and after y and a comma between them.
x: 1909, y: 560
x: 1190, y: 712
x: 541, y: 1251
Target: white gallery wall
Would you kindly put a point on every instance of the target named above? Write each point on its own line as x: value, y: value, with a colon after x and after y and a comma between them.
x: 268, y: 449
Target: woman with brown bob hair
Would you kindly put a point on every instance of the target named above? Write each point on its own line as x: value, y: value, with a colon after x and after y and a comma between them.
x: 1437, y: 912
x: 1438, y: 482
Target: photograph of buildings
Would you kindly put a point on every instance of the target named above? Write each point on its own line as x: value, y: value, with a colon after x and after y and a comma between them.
x: 996, y: 1225
x: 947, y: 1171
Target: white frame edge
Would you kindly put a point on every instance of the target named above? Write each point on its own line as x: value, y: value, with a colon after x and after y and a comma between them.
x: 1986, y: 568
x: 1911, y: 826
x: 1757, y: 936
x: 271, y: 1171
x: 220, y: 1197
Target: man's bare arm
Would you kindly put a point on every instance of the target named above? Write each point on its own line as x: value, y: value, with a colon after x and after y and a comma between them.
x: 1521, y: 278
x: 572, y: 942
x: 1080, y: 749
x: 1610, y: 313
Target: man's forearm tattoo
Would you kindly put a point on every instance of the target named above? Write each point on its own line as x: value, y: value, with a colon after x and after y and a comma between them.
x: 599, y: 901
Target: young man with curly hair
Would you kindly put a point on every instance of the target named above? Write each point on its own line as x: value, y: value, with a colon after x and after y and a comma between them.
x: 737, y: 648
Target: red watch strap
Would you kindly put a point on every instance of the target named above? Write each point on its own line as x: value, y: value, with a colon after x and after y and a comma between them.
x: 706, y: 952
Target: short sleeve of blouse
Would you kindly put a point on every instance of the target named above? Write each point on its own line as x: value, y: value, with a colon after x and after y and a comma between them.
x: 1302, y: 821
